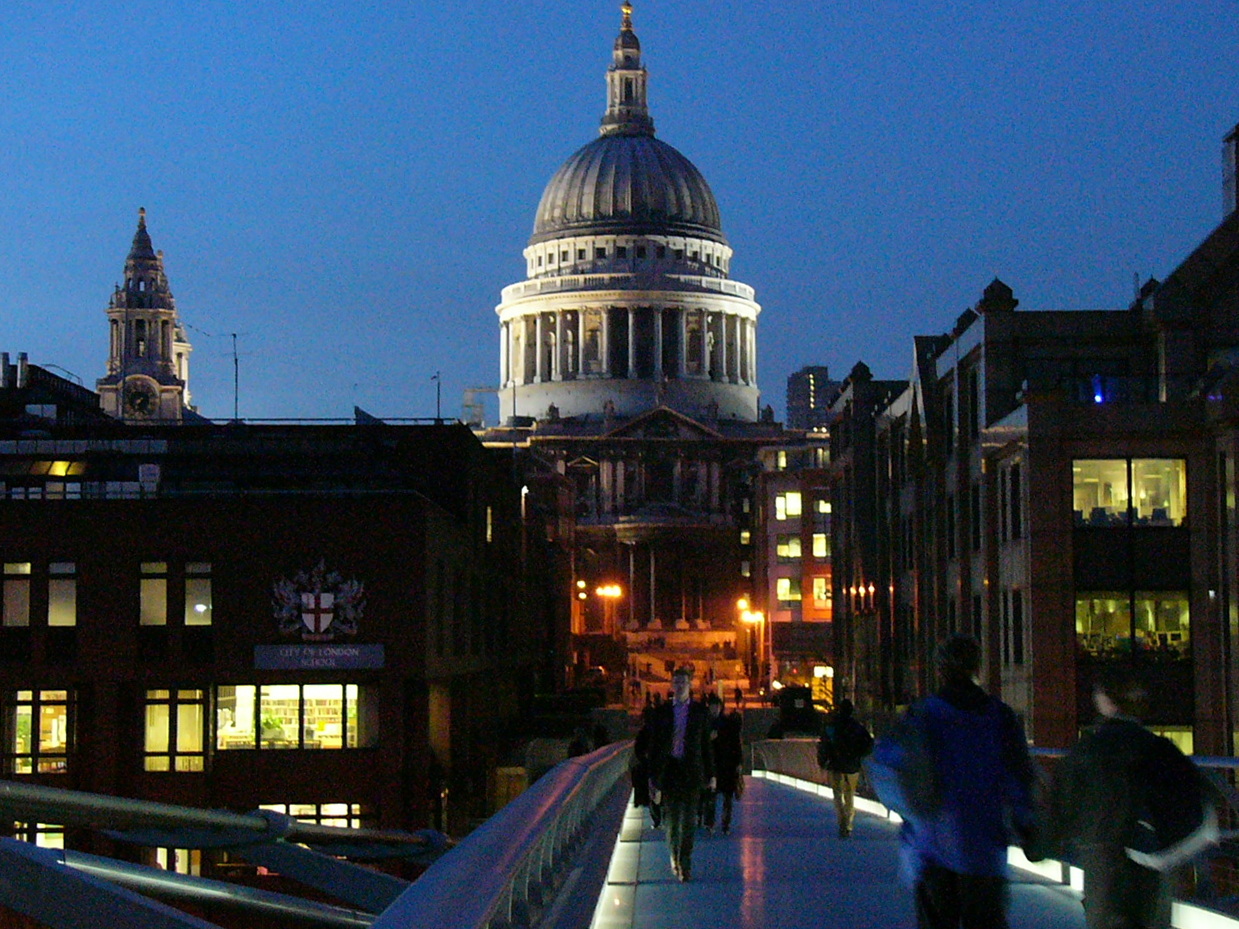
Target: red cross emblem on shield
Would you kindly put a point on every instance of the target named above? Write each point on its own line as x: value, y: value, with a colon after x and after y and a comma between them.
x: 317, y: 611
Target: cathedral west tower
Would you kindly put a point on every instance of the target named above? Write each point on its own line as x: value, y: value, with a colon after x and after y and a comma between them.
x: 148, y: 356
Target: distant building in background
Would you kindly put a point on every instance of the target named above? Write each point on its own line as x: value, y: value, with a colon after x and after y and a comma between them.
x: 809, y: 394
x: 147, y: 376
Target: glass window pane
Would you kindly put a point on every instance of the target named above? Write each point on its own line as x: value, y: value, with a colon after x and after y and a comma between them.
x: 793, y: 503
x: 17, y: 567
x: 16, y: 602
x: 21, y: 738
x: 157, y: 728
x: 62, y: 602
x: 235, y: 715
x: 1163, y: 624
x: 1099, y: 491
x: 1103, y: 624
x: 1159, y: 488
x: 324, y: 716
x: 189, y: 727
x: 821, y: 545
x: 153, y: 610
x: 197, y: 601
x: 280, y: 720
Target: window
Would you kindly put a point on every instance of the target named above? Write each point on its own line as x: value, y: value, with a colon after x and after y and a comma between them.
x: 787, y: 547
x: 821, y: 592
x: 38, y: 731
x: 640, y: 251
x: 153, y: 594
x: 821, y: 545
x: 781, y: 461
x: 1119, y: 492
x: 746, y: 537
x: 600, y: 252
x: 787, y: 505
x: 580, y: 254
x: 179, y: 860
x: 787, y: 589
x: 44, y: 835
x: 621, y: 251
x: 823, y: 507
x: 746, y: 569
x: 289, y: 716
x: 16, y: 604
x: 345, y: 815
x: 661, y: 251
x: 1112, y: 624
x: 62, y: 593
x: 197, y: 594
x: 175, y: 730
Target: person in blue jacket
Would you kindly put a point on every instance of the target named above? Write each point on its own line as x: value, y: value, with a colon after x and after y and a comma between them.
x: 957, y: 767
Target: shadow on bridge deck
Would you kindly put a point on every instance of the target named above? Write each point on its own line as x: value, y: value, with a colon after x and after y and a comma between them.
x: 783, y: 867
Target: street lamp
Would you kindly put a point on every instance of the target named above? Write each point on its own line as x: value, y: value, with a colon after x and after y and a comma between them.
x: 609, y: 594
x: 758, y: 619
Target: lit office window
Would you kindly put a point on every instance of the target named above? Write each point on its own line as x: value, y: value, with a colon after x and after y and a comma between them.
x: 295, y: 716
x: 1114, y: 624
x: 787, y: 505
x: 821, y: 592
x: 153, y: 594
x: 16, y: 604
x: 787, y: 547
x: 821, y: 545
x: 197, y: 594
x: 44, y: 835
x: 37, y: 731
x: 344, y: 815
x: 1120, y: 492
x: 787, y: 589
x: 746, y: 537
x: 175, y: 730
x: 180, y: 860
x: 62, y: 593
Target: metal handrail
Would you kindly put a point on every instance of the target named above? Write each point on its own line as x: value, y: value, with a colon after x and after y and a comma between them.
x: 506, y: 871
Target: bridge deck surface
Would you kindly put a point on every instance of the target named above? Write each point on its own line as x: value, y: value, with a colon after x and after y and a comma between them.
x: 783, y: 867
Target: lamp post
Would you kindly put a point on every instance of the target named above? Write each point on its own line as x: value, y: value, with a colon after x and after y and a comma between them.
x: 758, y: 619
x: 609, y: 594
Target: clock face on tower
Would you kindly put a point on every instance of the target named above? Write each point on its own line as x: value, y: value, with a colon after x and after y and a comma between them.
x: 140, y: 399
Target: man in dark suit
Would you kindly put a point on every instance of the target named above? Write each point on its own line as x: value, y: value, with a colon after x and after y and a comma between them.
x: 681, y: 767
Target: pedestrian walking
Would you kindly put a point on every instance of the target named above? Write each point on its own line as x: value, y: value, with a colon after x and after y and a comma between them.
x: 956, y: 767
x: 843, y: 745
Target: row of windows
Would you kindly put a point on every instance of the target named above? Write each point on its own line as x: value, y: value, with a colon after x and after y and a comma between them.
x: 600, y: 253
x: 178, y: 725
x: 788, y: 547
x: 790, y: 505
x: 59, y: 608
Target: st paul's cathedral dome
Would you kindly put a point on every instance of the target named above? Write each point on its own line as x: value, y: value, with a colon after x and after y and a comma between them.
x: 628, y: 304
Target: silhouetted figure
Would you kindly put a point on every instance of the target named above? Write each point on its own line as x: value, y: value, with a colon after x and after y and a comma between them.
x: 681, y: 766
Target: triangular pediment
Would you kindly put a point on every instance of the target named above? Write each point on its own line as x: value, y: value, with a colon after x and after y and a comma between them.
x: 663, y: 423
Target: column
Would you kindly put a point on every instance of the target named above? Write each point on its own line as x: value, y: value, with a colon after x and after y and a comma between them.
x: 538, y: 366
x: 557, y: 362
x: 653, y: 588
x: 683, y: 316
x: 604, y: 341
x: 658, y: 342
x: 505, y: 368
x: 722, y: 358
x: 580, y: 343
x: 632, y: 342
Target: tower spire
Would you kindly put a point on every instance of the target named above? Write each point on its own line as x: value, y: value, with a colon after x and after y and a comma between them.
x: 627, y: 107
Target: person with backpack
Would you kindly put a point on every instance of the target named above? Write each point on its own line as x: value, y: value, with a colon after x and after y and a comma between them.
x: 1125, y: 805
x: 843, y: 746
x: 956, y: 766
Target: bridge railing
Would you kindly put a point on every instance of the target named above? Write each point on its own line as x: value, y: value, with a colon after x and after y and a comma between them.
x: 511, y: 869
x: 1202, y: 900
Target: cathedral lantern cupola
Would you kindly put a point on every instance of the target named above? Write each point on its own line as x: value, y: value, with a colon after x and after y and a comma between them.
x: 148, y: 357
